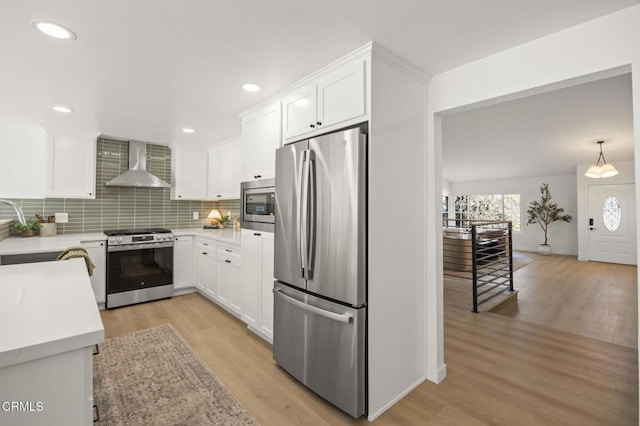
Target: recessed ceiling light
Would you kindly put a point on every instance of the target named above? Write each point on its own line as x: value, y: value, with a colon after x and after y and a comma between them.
x: 61, y: 108
x: 251, y: 87
x: 53, y: 30
x: 187, y: 130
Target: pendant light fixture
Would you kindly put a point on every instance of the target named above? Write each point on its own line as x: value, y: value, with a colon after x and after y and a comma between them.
x: 601, y: 171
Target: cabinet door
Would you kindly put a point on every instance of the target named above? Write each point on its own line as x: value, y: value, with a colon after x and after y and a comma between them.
x: 200, y: 270
x: 250, y: 147
x: 97, y: 251
x: 271, y: 139
x: 267, y: 284
x: 205, y: 265
x: 23, y: 150
x: 190, y: 175
x: 215, y: 186
x: 183, y: 262
x: 341, y: 94
x: 251, y: 277
x: 299, y: 112
x: 235, y: 272
x: 223, y: 172
x: 71, y: 167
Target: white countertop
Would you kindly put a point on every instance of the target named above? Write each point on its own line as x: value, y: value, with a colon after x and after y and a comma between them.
x: 37, y: 244
x: 46, y: 308
x: 225, y: 235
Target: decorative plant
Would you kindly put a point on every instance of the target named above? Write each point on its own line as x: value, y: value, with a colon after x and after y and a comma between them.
x: 545, y: 212
x: 32, y: 225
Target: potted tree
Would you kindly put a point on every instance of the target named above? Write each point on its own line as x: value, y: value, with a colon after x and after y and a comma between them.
x: 545, y: 212
x: 26, y: 230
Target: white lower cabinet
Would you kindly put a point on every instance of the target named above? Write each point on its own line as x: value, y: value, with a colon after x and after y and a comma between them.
x: 230, y: 277
x: 257, y: 281
x: 97, y: 251
x: 206, y: 267
x: 183, y: 262
x: 218, y: 272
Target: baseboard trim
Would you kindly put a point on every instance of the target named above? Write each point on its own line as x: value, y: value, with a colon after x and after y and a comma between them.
x: 371, y: 417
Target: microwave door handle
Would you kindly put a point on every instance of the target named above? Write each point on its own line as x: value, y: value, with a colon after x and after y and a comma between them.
x: 302, y: 213
x: 311, y: 228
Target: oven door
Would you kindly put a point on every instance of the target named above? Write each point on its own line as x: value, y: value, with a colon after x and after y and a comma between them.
x: 135, y: 267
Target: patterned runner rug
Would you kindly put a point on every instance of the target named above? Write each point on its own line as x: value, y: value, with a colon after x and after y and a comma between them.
x: 152, y: 377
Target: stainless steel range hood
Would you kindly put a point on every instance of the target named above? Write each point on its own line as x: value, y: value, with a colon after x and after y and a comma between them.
x: 137, y: 175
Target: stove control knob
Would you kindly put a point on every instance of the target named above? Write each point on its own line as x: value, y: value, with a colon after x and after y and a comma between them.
x: 112, y: 240
x: 158, y: 237
x: 170, y: 237
x: 119, y: 239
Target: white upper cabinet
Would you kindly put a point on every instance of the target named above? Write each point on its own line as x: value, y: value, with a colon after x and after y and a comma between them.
x: 334, y: 98
x: 261, y: 136
x: 224, y: 182
x: 189, y: 170
x: 23, y: 150
x: 299, y: 114
x: 71, y: 167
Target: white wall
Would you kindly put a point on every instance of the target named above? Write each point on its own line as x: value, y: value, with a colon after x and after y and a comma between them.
x: 563, y: 237
x: 626, y: 174
x: 603, y: 47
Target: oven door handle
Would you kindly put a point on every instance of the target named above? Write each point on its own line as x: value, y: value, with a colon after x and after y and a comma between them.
x: 130, y: 247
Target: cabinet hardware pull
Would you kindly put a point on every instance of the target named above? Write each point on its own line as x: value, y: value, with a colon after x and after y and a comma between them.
x: 228, y: 250
x: 318, y: 123
x: 227, y: 261
x: 257, y: 176
x: 312, y: 125
x: 218, y: 196
x: 257, y: 234
x: 204, y: 252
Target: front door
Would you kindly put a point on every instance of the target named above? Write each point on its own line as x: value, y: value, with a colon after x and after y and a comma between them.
x: 612, y: 223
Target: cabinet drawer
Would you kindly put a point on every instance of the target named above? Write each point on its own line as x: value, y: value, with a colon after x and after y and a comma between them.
x: 206, y: 243
x: 229, y: 250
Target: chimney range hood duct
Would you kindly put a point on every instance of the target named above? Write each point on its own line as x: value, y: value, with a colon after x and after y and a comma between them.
x: 137, y: 175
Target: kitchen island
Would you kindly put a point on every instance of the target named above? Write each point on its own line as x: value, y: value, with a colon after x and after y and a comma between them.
x: 49, y: 322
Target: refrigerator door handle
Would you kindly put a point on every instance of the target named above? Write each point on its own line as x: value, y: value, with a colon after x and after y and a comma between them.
x: 302, y: 214
x: 311, y: 215
x: 344, y: 318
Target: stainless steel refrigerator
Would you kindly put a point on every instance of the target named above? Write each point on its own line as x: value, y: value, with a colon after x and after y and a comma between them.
x: 320, y: 293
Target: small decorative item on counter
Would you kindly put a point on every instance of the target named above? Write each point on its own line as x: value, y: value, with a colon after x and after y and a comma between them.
x: 48, y: 229
x: 236, y: 225
x: 26, y: 230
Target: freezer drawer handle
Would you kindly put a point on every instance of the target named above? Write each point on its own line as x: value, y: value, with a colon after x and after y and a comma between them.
x: 345, y: 318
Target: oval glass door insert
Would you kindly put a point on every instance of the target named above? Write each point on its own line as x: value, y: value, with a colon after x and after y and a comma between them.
x: 611, y: 213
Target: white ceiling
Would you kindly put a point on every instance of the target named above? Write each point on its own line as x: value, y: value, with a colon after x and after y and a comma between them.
x: 144, y: 69
x: 542, y: 135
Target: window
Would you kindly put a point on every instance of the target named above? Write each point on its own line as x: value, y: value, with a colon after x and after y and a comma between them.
x: 611, y: 213
x: 489, y: 207
x: 445, y: 208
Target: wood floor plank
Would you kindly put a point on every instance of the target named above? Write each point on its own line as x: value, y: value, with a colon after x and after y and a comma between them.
x: 500, y: 370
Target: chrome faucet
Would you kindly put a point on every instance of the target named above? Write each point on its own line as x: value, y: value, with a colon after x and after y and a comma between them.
x: 18, y: 210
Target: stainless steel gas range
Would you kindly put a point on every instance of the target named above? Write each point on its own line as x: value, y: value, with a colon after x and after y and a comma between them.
x: 139, y: 266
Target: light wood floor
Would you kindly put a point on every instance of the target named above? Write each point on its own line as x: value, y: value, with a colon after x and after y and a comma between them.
x: 592, y: 299
x: 500, y: 371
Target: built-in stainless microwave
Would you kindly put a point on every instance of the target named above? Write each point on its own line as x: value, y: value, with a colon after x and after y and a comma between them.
x: 258, y: 204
